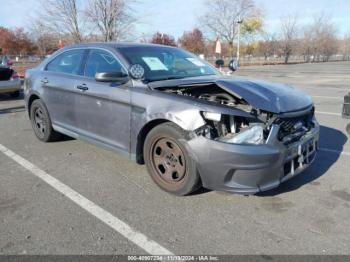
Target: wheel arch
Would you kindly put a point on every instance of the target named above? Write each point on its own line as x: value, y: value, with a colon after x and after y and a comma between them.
x: 30, y: 102
x: 141, y: 137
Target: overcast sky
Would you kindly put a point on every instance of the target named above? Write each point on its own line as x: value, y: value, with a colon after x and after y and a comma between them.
x: 175, y: 16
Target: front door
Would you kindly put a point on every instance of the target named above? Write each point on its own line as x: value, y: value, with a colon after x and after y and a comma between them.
x: 103, y: 109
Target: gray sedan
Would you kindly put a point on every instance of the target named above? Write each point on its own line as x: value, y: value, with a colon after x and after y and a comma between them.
x: 166, y: 108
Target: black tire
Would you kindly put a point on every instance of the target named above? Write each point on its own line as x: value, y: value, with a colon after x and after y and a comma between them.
x: 41, y: 122
x: 168, y: 161
x: 348, y: 128
x: 15, y: 94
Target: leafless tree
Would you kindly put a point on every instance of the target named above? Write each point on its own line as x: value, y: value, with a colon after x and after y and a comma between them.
x: 320, y: 39
x: 45, y: 40
x: 111, y: 17
x: 289, y: 33
x: 345, y: 47
x: 268, y: 46
x: 222, y: 16
x: 63, y: 17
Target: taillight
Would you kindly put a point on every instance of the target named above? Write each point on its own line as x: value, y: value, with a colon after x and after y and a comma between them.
x: 14, y: 76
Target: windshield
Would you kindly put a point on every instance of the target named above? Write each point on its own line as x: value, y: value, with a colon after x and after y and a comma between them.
x: 161, y: 63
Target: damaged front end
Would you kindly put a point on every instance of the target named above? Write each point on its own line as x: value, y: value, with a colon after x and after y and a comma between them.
x: 254, y: 149
x: 233, y: 129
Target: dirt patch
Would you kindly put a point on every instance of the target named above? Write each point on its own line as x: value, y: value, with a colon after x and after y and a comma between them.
x: 342, y: 195
x: 277, y: 205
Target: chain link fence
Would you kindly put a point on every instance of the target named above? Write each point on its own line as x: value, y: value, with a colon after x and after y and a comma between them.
x: 250, y: 61
x: 22, y: 63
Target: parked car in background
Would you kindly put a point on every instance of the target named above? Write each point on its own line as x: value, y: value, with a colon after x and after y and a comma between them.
x: 9, y: 79
x: 5, y: 61
x: 34, y: 59
x: 346, y: 110
x: 167, y: 108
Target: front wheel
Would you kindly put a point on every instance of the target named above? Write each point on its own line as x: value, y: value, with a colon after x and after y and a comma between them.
x: 168, y: 161
x: 41, y: 122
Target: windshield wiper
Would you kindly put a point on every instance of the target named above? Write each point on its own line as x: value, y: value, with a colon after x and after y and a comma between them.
x: 174, y: 77
x: 165, y: 78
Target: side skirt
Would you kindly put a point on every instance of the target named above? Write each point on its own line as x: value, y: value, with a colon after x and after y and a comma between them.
x: 95, y: 142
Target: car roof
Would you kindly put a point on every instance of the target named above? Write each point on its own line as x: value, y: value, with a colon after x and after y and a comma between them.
x: 115, y: 45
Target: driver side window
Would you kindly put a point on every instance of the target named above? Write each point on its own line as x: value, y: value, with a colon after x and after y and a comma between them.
x: 101, y: 61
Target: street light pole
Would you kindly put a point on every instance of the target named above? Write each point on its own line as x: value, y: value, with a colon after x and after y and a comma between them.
x: 239, y: 22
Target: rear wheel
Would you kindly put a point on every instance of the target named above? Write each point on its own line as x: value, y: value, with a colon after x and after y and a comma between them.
x: 168, y: 161
x: 41, y: 122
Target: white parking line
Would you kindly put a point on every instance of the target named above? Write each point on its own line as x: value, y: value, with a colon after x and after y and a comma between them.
x: 327, y: 113
x: 121, y: 227
x: 330, y: 97
x: 334, y: 151
x: 328, y: 88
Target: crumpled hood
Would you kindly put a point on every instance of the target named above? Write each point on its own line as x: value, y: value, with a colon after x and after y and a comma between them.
x: 272, y: 97
x: 267, y: 96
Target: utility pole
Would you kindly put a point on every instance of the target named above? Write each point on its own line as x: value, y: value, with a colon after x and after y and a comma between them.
x: 239, y: 22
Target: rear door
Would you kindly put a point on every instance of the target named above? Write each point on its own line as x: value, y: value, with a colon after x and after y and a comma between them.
x: 59, y: 91
x: 103, y: 109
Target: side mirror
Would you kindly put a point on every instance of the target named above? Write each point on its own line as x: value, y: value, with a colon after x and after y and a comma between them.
x: 119, y: 77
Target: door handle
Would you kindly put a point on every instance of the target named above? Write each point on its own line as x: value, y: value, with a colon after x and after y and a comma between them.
x: 45, y: 81
x: 82, y: 87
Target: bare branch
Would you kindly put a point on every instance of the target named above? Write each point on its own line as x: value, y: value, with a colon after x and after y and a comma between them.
x: 111, y: 17
x: 320, y: 39
x: 63, y: 17
x: 289, y: 34
x: 222, y: 16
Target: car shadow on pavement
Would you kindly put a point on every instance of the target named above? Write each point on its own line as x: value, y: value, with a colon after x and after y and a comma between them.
x: 14, y: 109
x: 64, y: 138
x: 324, y: 160
x: 200, y: 191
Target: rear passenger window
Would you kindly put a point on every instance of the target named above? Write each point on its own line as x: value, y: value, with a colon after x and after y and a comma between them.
x: 100, y: 61
x: 68, y: 62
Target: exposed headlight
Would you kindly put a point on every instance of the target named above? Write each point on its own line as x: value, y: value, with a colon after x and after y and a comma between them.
x: 253, y: 135
x: 212, y: 116
x: 232, y: 129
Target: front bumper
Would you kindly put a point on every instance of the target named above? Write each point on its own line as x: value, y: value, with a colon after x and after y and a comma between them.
x: 10, y: 86
x: 249, y: 169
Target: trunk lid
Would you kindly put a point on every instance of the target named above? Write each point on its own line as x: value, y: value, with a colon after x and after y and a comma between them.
x: 5, y: 73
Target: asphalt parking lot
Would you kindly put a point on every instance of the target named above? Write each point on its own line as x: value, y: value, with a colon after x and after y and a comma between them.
x: 128, y: 214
